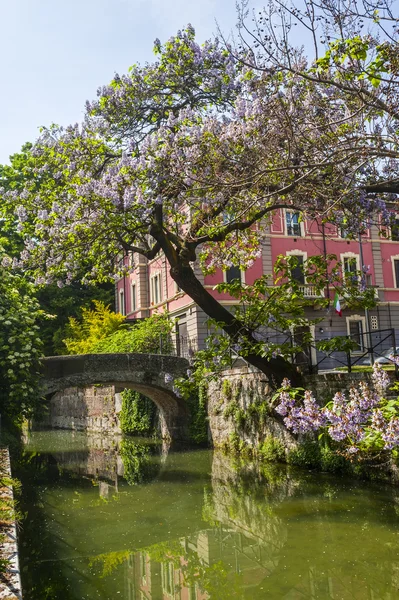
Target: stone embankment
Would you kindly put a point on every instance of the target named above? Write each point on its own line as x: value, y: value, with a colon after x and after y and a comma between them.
x: 10, y: 580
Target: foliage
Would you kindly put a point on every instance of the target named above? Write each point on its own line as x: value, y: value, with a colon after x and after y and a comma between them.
x: 65, y: 303
x: 138, y: 462
x: 190, y: 156
x: 60, y: 301
x: 20, y: 345
x: 153, y: 335
x: 272, y: 450
x: 95, y: 325
x: 365, y: 424
x: 137, y: 414
x: 198, y: 403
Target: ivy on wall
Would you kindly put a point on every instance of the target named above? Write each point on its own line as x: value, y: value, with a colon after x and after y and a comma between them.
x: 138, y: 414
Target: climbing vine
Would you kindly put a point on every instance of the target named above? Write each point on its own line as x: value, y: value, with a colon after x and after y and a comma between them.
x: 138, y: 414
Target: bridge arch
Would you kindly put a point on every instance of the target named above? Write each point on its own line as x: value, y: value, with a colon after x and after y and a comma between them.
x: 144, y: 373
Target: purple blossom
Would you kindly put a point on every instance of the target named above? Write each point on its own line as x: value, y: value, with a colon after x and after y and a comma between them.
x: 380, y: 378
x: 168, y: 378
x: 6, y: 261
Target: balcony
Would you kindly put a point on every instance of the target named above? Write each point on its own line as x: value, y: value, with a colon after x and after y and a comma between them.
x: 311, y: 291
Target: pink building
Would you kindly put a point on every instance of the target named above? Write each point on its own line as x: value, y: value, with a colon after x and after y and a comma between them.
x: 150, y: 288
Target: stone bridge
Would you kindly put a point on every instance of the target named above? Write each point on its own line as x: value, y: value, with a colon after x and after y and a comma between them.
x: 144, y: 373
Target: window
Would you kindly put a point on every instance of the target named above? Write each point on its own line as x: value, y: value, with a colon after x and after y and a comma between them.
x: 395, y: 229
x: 293, y: 223
x: 122, y: 307
x: 297, y: 272
x: 133, y: 297
x: 356, y: 334
x: 156, y: 294
x: 396, y: 270
x: 345, y: 234
x: 233, y: 274
x: 350, y: 266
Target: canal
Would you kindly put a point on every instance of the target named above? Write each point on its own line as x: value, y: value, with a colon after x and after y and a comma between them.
x: 132, y: 519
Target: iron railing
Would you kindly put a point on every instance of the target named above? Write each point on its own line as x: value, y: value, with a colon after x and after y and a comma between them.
x: 371, y: 344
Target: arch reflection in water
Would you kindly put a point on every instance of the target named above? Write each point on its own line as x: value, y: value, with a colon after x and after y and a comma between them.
x: 203, y: 526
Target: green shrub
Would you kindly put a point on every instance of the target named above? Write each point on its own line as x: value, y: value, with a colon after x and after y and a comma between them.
x: 150, y: 336
x: 95, y: 325
x: 332, y: 462
x: 272, y: 450
x: 308, y: 454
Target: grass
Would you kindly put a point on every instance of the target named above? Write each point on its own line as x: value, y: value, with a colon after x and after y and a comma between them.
x: 364, y: 368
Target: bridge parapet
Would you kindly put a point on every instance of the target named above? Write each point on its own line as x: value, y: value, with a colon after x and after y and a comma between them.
x: 144, y: 373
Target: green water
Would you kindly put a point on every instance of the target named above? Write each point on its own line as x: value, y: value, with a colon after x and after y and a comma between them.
x: 130, y: 520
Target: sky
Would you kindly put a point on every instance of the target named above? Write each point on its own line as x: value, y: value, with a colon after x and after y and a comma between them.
x: 55, y: 54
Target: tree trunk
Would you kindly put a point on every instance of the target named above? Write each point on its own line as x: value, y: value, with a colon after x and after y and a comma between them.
x: 275, y: 369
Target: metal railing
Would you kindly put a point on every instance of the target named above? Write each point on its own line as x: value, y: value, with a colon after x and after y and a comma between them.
x: 175, y: 345
x: 371, y: 345
x: 311, y: 291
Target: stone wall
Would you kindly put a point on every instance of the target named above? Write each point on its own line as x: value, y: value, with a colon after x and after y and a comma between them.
x: 235, y: 404
x: 242, y: 394
x: 92, y: 408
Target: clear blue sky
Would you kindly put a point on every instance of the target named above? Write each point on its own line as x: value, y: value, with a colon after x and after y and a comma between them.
x: 56, y: 53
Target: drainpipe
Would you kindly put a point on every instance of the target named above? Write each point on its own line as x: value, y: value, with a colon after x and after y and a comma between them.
x: 366, y: 310
x: 124, y: 286
x: 323, y: 231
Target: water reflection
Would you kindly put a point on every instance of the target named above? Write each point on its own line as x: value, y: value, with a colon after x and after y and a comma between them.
x: 112, y: 518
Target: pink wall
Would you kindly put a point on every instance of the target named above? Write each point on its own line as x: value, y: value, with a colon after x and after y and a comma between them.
x: 311, y: 243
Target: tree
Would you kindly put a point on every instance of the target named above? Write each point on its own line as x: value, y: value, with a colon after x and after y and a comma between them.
x: 190, y: 156
x: 61, y: 302
x: 352, y: 55
x: 20, y: 344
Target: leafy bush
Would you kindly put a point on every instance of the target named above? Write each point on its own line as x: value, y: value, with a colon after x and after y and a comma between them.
x: 307, y: 455
x: 20, y: 345
x: 272, y: 450
x: 152, y: 335
x: 96, y: 325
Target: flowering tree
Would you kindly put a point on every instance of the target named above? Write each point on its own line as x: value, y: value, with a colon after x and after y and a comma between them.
x: 61, y: 303
x: 190, y: 156
x: 364, y: 422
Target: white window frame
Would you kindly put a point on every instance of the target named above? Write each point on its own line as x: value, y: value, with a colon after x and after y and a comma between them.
x: 363, y: 321
x: 133, y: 296
x: 122, y: 308
x: 301, y: 224
x: 154, y: 276
x: 349, y: 255
x: 242, y: 275
x: 395, y: 283
x: 299, y: 253
x: 390, y: 230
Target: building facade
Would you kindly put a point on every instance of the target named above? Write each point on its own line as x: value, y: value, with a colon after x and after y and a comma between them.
x: 150, y: 288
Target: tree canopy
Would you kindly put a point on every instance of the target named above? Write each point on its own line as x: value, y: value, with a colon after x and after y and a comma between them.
x: 190, y: 155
